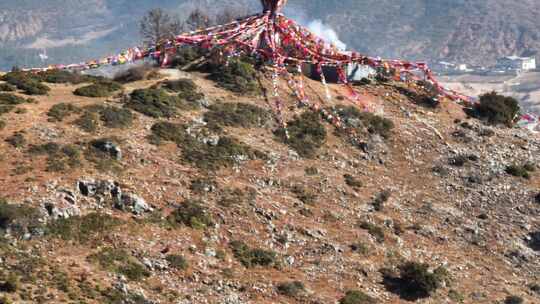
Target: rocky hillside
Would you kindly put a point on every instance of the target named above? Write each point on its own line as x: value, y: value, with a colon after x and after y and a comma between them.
x: 177, y: 187
x: 474, y: 32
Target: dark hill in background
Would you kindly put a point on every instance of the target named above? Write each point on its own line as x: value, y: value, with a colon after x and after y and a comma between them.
x: 472, y: 31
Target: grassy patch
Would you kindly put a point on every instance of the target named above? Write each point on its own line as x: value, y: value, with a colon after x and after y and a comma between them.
x: 291, y: 289
x: 306, y: 134
x: 117, y: 118
x: 156, y: 103
x: 192, y: 214
x: 236, y: 115
x: 83, y: 229
x: 60, y: 111
x: 63, y: 76
x: 376, y: 231
x: 521, y: 170
x: 250, y: 257
x: 99, y: 89
x: 305, y: 195
x: 88, y: 122
x: 186, y: 88
x: 119, y: 261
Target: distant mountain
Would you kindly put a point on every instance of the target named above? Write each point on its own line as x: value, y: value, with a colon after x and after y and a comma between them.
x: 470, y: 31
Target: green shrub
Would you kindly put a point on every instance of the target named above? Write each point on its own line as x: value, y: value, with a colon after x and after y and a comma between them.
x: 11, y: 284
x: 2, y: 125
x: 177, y: 261
x: 520, y: 170
x: 252, y: 257
x: 186, y: 55
x: 291, y: 289
x: 418, y: 281
x: 514, y: 300
x: 17, y: 140
x: 10, y: 99
x: 455, y: 296
x: 83, y: 229
x: 351, y: 181
x: 6, y: 87
x: 136, y: 73
x: 186, y: 89
x: 99, y: 89
x: 360, y: 248
x: 119, y: 261
x: 29, y: 83
x: 363, y: 121
x: 113, y: 117
x: 306, y: 134
x: 192, y: 214
x: 155, y: 103
x: 237, y: 76
x: 17, y: 217
x: 497, y: 109
x: 88, y: 122
x: 60, y: 158
x: 304, y: 194
x: 100, y: 153
x: 381, y: 199
x: 59, y: 111
x: 63, y: 76
x: 236, y: 115
x: 356, y: 297
x: 376, y: 231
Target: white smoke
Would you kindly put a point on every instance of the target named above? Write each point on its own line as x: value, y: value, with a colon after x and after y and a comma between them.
x: 326, y: 33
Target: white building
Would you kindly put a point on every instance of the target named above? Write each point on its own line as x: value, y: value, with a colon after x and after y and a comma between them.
x: 517, y: 63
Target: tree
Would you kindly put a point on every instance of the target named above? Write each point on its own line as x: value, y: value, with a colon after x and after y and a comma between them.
x: 197, y: 19
x: 156, y: 26
x: 229, y: 15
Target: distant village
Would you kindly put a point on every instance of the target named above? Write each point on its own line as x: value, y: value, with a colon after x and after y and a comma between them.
x: 509, y: 65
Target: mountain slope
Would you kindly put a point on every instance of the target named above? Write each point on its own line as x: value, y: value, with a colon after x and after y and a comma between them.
x: 149, y: 220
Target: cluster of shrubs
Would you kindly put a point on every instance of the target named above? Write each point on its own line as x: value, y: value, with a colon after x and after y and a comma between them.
x: 361, y: 122
x: 59, y: 158
x: 101, y: 88
x: 177, y: 261
x: 375, y: 231
x: 157, y: 103
x: 205, y: 156
x: 119, y: 261
x: 497, y: 109
x: 83, y: 229
x: 305, y: 195
x: 291, y: 289
x: 9, y: 101
x: 415, y: 280
x: 236, y: 115
x: 356, y: 297
x: 29, y: 83
x: 187, y: 90
x: 381, y: 199
x: 60, y: 111
x: 237, y: 75
x: 523, y: 171
x: 191, y: 213
x: 104, y: 154
x: 305, y: 134
x: 110, y: 116
x: 137, y: 73
x: 252, y: 257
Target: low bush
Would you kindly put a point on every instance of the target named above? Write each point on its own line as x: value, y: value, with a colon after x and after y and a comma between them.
x: 6, y: 87
x: 83, y: 229
x: 105, y: 154
x: 177, y: 261
x: 306, y: 134
x: 381, y: 199
x: 192, y: 214
x: 59, y: 111
x: 237, y: 76
x: 233, y: 197
x: 376, y: 231
x: 186, y: 55
x: 360, y: 247
x: 29, y: 83
x: 136, y: 73
x: 60, y: 158
x: 119, y: 261
x: 351, y: 181
x: 17, y: 140
x: 63, y: 76
x: 11, y: 284
x: 113, y: 117
x: 187, y: 90
x: 3, y: 124
x: 520, y: 170
x: 304, y: 194
x: 10, y: 99
x: 415, y: 281
x: 18, y: 218
x: 363, y: 121
x: 356, y: 297
x: 155, y: 103
x: 514, y: 300
x: 291, y: 289
x: 101, y: 88
x: 203, y: 185
x: 250, y: 257
x: 236, y: 115
x: 497, y: 109
x: 88, y: 122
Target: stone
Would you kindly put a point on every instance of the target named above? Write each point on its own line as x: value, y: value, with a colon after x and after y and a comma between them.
x: 133, y: 203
